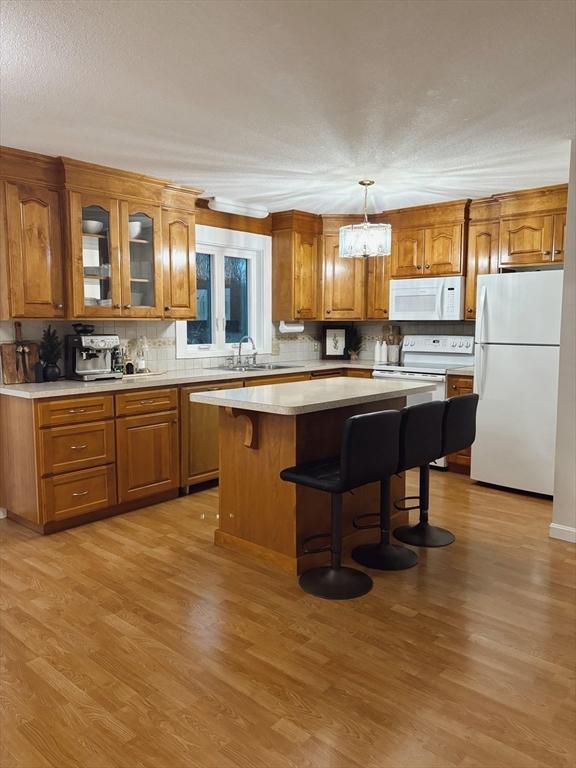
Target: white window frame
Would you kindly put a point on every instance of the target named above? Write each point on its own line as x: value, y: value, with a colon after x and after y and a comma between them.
x: 258, y: 250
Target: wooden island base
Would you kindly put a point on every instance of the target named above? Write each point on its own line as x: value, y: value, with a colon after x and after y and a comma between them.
x: 262, y: 516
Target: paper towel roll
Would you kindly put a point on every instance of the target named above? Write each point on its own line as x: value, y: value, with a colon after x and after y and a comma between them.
x: 290, y: 327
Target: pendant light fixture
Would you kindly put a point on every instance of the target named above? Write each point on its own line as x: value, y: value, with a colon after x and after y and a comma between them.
x: 365, y: 239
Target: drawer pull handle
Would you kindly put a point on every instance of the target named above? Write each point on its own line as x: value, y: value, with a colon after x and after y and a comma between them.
x: 148, y: 402
x: 80, y: 493
x: 79, y: 447
x: 77, y: 410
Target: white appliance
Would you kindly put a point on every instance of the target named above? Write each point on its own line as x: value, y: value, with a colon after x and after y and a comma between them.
x: 427, y: 358
x: 427, y: 298
x: 517, y: 355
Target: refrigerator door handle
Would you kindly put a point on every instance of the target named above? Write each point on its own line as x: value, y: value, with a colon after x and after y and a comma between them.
x: 479, y: 372
x: 481, y: 311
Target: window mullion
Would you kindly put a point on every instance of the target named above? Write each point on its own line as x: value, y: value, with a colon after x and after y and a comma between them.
x: 219, y: 301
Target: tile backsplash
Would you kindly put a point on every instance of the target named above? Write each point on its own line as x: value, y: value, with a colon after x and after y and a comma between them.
x: 161, y: 338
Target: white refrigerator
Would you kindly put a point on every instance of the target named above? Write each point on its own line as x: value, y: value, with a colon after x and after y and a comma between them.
x: 517, y: 348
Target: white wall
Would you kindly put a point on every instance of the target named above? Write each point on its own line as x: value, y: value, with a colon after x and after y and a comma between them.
x: 563, y: 524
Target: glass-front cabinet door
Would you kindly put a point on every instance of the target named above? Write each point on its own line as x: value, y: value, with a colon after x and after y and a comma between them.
x: 141, y: 260
x: 96, y: 255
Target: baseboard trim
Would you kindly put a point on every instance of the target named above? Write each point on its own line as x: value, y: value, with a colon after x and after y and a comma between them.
x: 563, y: 532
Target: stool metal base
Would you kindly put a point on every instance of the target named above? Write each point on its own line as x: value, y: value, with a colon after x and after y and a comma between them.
x: 385, y: 557
x: 336, y: 583
x: 424, y: 535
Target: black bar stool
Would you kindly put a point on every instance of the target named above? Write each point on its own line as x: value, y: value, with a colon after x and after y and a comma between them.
x: 454, y: 422
x: 369, y: 452
x: 384, y: 556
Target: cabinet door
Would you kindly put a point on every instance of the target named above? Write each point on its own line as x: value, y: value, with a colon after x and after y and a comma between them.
x: 95, y: 252
x: 343, y: 294
x: 443, y: 251
x: 78, y: 493
x: 378, y: 288
x: 559, y: 237
x: 178, y: 243
x: 199, y: 435
x: 141, y: 260
x: 526, y: 241
x: 482, y: 260
x: 407, y: 253
x: 34, y: 251
x: 305, y: 276
x: 147, y: 455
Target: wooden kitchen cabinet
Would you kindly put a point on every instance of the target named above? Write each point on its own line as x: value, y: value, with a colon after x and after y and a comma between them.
x: 290, y: 378
x: 482, y: 259
x: 31, y: 258
x: 199, y: 435
x: 457, y: 386
x: 559, y: 237
x: 407, y: 259
x: 73, y: 494
x: 178, y: 243
x: 147, y: 455
x: 526, y: 240
x: 343, y: 283
x: 295, y: 265
x: 378, y: 288
x: 141, y: 260
x: 443, y: 251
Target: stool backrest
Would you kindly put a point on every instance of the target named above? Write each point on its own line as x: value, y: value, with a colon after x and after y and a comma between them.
x: 459, y: 428
x: 420, y: 434
x: 369, y: 448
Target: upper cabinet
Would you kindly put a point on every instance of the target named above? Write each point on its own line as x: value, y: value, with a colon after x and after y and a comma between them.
x: 378, y: 288
x: 532, y: 224
x: 482, y: 256
x: 295, y: 265
x: 427, y: 241
x: 34, y: 251
x: 31, y: 247
x: 343, y: 283
x: 131, y: 244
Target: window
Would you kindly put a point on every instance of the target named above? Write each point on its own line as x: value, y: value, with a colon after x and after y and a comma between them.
x: 233, y: 294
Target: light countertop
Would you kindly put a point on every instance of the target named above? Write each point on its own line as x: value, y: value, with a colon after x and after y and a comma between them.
x: 296, y: 398
x: 462, y: 371
x: 68, y: 388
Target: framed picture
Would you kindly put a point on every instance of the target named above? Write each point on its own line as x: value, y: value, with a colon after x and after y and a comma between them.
x: 334, y: 342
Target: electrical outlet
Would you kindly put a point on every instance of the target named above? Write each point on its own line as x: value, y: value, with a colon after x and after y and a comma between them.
x: 316, y: 346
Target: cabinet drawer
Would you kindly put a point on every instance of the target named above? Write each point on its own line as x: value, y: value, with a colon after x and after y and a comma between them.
x: 73, y: 410
x: 328, y: 374
x: 77, y: 493
x: 146, y: 401
x: 64, y: 449
x: 360, y: 373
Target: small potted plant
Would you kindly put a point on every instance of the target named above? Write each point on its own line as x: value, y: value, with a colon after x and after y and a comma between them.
x: 354, y: 343
x: 50, y: 353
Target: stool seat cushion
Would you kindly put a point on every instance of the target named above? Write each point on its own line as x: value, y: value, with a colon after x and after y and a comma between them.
x: 324, y: 475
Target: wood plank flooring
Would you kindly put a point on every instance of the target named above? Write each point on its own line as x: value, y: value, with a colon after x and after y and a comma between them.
x: 134, y: 642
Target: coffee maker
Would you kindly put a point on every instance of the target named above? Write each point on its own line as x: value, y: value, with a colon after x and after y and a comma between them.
x: 91, y: 357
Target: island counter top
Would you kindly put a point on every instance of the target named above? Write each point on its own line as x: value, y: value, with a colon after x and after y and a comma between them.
x: 297, y: 398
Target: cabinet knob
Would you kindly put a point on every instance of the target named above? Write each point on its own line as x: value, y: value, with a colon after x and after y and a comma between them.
x: 61, y: 306
x: 557, y: 251
x: 116, y: 306
x: 427, y: 266
x: 167, y: 309
x: 469, y: 309
x: 298, y: 311
x: 419, y: 266
x: 328, y: 311
x: 546, y: 253
x: 127, y: 306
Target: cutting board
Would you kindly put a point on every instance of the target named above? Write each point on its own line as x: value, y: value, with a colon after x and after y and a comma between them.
x: 18, y: 359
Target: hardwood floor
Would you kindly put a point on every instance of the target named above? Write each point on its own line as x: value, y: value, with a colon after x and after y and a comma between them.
x: 135, y: 642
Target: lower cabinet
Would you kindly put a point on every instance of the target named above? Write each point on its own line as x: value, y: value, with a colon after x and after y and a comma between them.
x: 77, y: 493
x: 147, y: 455
x: 199, y: 435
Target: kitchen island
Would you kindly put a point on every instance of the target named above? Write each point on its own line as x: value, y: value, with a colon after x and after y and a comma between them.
x: 267, y: 428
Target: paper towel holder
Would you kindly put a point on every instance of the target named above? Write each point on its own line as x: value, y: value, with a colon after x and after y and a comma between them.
x: 285, y: 327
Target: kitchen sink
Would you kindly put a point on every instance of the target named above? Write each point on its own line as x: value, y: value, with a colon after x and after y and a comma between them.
x: 257, y: 367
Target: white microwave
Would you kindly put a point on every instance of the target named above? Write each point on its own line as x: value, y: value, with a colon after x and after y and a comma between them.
x: 427, y: 298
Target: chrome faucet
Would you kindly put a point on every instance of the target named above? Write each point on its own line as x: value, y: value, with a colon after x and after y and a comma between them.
x: 242, y: 340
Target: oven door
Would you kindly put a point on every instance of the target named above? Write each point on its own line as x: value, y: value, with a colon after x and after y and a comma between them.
x: 439, y: 393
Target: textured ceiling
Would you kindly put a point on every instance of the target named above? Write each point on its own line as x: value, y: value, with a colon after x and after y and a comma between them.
x: 288, y: 104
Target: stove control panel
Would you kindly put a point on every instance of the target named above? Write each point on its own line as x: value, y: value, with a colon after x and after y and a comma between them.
x: 452, y: 345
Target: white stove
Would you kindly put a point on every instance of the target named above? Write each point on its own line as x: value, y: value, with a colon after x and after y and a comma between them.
x: 428, y: 358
